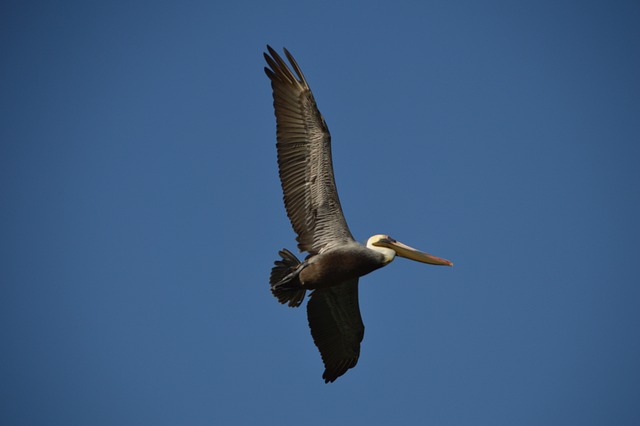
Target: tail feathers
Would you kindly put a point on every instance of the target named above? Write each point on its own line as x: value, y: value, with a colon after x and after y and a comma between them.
x: 284, y: 281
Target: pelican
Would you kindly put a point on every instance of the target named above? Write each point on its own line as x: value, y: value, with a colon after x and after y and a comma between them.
x: 335, y: 260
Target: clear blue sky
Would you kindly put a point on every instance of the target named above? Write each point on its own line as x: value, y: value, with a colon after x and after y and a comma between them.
x: 141, y: 212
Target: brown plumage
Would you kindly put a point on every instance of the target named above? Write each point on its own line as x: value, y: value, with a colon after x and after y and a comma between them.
x: 312, y: 204
x: 335, y: 260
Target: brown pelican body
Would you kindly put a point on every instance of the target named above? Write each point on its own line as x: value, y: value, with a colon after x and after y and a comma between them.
x: 335, y: 260
x: 341, y: 264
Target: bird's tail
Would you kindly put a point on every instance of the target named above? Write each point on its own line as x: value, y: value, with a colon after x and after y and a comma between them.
x: 285, y: 284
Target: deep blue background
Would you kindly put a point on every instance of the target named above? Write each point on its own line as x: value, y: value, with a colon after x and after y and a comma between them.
x: 141, y: 211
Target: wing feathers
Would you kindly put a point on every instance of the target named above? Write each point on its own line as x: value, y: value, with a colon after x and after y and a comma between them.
x: 336, y: 327
x: 304, y: 159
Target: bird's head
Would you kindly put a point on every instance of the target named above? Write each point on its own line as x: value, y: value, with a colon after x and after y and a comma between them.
x: 390, y: 247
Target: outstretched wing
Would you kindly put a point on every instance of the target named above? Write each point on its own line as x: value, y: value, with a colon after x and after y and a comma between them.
x: 336, y: 327
x: 304, y: 160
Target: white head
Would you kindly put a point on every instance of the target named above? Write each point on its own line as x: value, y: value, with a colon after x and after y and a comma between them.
x: 389, y: 254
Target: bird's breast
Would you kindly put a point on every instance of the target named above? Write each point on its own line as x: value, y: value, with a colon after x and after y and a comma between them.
x: 339, y: 265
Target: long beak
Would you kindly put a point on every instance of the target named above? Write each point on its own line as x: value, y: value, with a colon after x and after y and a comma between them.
x: 411, y: 253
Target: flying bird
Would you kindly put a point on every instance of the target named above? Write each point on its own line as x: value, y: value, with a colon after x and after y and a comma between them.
x: 335, y: 260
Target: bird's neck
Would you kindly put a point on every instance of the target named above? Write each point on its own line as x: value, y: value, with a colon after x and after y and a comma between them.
x: 387, y: 253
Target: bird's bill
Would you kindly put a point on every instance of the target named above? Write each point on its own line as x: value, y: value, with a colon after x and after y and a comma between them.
x: 407, y: 252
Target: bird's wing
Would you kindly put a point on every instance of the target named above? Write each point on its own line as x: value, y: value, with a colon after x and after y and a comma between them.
x: 304, y: 160
x: 336, y: 327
